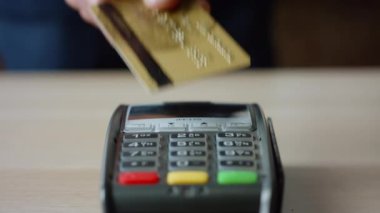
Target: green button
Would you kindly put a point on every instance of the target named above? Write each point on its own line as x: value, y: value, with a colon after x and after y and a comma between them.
x: 237, y: 177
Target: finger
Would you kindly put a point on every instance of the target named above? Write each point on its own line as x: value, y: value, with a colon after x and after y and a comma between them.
x: 94, y: 2
x: 162, y: 4
x: 87, y: 17
x: 73, y: 4
x: 82, y: 4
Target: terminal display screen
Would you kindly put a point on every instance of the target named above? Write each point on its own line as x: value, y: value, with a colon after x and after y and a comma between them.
x: 175, y: 110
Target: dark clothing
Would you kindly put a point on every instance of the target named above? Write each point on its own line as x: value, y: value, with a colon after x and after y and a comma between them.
x: 249, y: 23
x: 47, y: 34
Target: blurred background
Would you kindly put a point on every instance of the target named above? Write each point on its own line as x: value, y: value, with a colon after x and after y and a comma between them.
x: 327, y: 33
x: 48, y: 35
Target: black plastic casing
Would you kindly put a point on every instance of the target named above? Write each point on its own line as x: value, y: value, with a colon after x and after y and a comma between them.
x: 163, y: 198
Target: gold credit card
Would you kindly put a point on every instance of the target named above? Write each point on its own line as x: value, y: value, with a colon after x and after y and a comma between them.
x: 166, y: 48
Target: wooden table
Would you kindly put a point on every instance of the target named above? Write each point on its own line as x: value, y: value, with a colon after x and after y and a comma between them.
x: 327, y: 121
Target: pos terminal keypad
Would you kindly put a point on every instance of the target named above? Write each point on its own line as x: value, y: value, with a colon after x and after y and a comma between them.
x: 189, y: 158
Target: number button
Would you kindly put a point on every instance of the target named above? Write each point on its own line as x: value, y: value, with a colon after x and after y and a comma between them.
x: 236, y: 153
x: 188, y: 153
x: 236, y: 163
x: 141, y: 136
x: 134, y: 164
x: 234, y: 135
x: 187, y: 135
x: 235, y: 143
x: 188, y: 144
x: 141, y: 153
x: 188, y: 163
x: 140, y: 144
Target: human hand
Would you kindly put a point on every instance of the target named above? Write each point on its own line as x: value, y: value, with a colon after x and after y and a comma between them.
x: 84, y: 6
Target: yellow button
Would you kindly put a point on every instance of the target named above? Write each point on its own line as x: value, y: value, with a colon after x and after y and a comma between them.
x: 187, y: 178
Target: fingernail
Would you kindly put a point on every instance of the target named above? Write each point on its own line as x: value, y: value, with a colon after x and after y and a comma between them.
x: 161, y: 4
x: 94, y: 2
x: 205, y: 4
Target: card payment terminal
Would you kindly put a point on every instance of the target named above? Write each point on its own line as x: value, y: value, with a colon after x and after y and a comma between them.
x: 191, y: 157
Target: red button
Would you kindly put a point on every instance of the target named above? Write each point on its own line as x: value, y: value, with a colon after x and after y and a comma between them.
x: 130, y: 178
